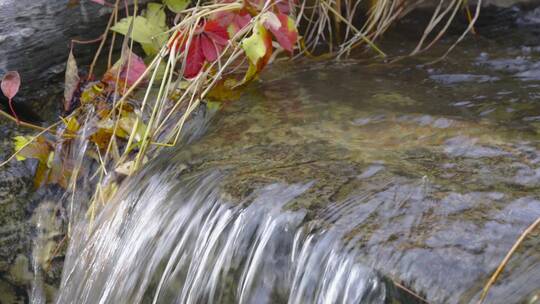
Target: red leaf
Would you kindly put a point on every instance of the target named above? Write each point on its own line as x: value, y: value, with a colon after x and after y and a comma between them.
x: 285, y: 6
x: 122, y: 69
x: 10, y: 84
x: 213, y: 40
x: 194, y: 58
x: 216, y: 32
x: 241, y: 20
x: 234, y: 21
x: 284, y: 32
x: 209, y: 48
x: 133, y: 70
x: 206, y: 45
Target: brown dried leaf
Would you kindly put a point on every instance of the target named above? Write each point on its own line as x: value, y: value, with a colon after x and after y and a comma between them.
x: 71, y: 82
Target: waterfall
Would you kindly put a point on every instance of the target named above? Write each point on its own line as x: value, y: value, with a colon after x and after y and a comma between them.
x: 167, y: 238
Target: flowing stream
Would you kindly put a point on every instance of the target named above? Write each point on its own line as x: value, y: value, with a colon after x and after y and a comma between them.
x: 333, y: 183
x: 328, y: 182
x: 178, y: 241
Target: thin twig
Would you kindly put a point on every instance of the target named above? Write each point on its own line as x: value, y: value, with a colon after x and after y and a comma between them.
x: 28, y: 143
x: 412, y: 293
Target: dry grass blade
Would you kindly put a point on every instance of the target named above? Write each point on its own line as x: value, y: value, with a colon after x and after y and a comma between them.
x: 503, y: 263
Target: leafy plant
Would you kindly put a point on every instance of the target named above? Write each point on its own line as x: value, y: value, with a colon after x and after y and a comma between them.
x: 206, y: 54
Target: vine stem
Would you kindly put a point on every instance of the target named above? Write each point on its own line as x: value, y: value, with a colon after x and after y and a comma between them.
x: 103, y: 40
x: 21, y: 123
x: 10, y: 102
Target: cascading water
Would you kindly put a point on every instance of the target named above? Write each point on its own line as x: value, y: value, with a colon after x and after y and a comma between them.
x: 177, y: 240
x: 297, y: 200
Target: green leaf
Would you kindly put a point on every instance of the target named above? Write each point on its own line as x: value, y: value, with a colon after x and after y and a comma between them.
x: 250, y: 74
x: 150, y: 49
x: 176, y: 5
x: 142, y: 32
x: 50, y: 159
x: 155, y: 14
x: 127, y: 123
x: 160, y: 74
x: 148, y: 32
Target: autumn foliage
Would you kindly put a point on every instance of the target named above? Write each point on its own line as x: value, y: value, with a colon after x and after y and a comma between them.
x: 199, y: 53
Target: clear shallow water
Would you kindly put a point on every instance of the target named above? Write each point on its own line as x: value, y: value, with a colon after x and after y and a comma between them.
x: 329, y: 180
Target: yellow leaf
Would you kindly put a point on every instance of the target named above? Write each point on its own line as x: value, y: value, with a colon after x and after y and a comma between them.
x: 72, y: 125
x: 50, y: 159
x: 20, y: 142
x: 223, y: 91
x: 250, y: 74
x: 90, y: 93
x: 258, y: 49
x: 155, y: 14
x: 71, y: 82
x: 255, y: 46
x: 127, y: 123
x: 41, y: 175
x: 37, y: 149
x: 101, y: 137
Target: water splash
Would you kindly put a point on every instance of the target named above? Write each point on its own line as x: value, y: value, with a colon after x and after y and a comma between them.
x: 48, y: 227
x: 171, y: 240
x: 36, y: 295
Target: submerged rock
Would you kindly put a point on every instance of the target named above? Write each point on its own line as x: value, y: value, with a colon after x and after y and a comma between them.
x: 18, y: 238
x: 15, y: 234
